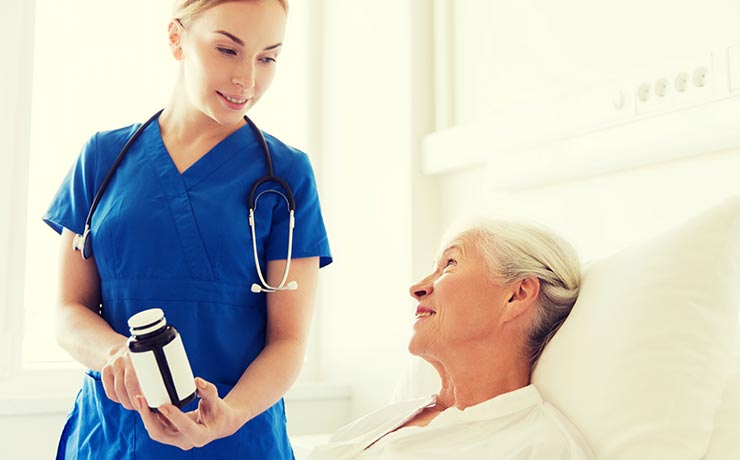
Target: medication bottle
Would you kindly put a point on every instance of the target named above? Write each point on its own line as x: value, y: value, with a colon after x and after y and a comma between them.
x: 159, y: 360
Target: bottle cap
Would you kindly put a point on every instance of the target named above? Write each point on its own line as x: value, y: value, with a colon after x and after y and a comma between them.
x: 146, y: 321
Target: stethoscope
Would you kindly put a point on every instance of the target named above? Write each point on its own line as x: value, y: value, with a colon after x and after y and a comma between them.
x: 83, y: 243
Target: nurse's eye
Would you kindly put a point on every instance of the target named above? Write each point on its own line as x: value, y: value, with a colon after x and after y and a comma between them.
x: 267, y: 60
x: 226, y: 51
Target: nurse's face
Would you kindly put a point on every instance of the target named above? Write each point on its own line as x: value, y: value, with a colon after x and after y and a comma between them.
x: 458, y: 304
x: 228, y: 55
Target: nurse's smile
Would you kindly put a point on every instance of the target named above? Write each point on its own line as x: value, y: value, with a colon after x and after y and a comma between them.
x: 234, y: 103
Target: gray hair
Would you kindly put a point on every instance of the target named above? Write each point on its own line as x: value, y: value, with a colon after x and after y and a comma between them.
x: 514, y: 251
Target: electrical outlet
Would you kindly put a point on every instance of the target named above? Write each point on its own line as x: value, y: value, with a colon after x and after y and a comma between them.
x: 676, y: 84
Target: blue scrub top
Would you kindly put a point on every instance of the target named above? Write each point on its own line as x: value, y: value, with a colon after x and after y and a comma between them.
x: 181, y: 242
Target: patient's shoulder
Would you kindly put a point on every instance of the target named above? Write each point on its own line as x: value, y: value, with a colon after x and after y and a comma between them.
x: 385, y: 418
x: 559, y: 434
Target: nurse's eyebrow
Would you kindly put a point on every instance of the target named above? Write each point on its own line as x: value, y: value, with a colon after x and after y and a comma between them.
x: 231, y: 36
x: 240, y: 42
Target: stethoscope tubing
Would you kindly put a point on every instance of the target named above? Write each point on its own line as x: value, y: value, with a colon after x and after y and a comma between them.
x: 84, y: 244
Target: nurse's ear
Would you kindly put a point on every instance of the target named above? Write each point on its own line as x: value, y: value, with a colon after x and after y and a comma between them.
x: 174, y: 34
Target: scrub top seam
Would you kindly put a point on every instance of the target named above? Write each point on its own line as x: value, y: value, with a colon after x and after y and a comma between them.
x: 168, y: 177
x: 171, y: 213
x: 209, y: 258
x: 189, y: 302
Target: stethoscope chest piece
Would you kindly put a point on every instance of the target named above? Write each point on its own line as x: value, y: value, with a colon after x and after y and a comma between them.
x: 83, y: 243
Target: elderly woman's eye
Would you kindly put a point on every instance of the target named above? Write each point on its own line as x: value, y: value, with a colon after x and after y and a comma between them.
x: 450, y: 263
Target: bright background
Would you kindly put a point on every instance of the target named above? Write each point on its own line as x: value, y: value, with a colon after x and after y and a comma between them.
x: 513, y: 90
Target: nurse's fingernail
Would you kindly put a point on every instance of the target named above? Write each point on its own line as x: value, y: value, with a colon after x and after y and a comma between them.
x: 201, y: 383
x: 164, y: 411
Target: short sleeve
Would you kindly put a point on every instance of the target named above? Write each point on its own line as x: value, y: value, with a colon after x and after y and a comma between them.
x: 70, y: 205
x: 309, y: 235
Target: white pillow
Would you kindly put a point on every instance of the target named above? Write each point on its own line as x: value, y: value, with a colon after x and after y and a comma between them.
x: 641, y: 363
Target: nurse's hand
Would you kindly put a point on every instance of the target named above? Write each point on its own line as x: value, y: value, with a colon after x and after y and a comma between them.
x: 213, y: 419
x: 119, y: 379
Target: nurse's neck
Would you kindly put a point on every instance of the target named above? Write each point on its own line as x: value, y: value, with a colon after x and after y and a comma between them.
x: 186, y: 125
x: 188, y: 135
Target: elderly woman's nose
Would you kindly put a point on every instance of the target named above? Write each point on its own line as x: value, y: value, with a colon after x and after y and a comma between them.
x: 420, y: 289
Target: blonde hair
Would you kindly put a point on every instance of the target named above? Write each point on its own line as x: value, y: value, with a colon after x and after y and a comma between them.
x: 187, y: 10
x: 514, y: 251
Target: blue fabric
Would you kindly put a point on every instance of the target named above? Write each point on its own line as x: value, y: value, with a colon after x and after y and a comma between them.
x: 181, y: 242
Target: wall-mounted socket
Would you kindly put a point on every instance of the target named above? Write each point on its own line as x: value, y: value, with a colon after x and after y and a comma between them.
x: 674, y: 84
x: 681, y: 82
x: 699, y: 78
x: 661, y: 87
x: 643, y: 92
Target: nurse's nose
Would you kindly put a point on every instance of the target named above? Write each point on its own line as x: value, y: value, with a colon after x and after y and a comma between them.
x: 245, y: 76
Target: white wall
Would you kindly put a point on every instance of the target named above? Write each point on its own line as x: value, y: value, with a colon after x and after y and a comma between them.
x: 14, y: 120
x: 30, y: 436
x: 537, y: 67
x: 529, y: 54
x: 377, y: 100
x: 366, y: 170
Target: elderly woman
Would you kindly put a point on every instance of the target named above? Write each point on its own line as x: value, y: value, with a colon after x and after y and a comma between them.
x: 497, y: 294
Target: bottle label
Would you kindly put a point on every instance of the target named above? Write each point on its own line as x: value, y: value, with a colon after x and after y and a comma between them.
x: 150, y: 379
x: 154, y: 380
x: 179, y: 365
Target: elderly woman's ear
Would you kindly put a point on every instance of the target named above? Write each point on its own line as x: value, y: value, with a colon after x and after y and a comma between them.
x: 523, y: 298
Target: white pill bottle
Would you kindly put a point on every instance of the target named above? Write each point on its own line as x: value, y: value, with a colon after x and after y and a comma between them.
x: 159, y: 360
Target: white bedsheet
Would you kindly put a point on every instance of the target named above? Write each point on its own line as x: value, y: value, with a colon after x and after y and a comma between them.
x: 303, y: 444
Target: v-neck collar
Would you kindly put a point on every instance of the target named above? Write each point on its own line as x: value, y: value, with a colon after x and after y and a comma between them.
x: 176, y: 187
x: 239, y: 142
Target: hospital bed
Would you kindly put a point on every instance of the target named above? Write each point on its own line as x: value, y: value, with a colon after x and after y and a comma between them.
x: 648, y: 363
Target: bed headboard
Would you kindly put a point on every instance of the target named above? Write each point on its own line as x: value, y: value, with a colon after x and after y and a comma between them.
x: 627, y: 214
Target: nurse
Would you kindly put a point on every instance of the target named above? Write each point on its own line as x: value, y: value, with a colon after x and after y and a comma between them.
x: 171, y: 231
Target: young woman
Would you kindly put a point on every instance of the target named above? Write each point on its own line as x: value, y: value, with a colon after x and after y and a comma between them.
x: 171, y: 230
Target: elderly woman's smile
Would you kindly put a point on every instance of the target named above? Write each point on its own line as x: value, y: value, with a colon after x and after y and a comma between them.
x: 423, y: 312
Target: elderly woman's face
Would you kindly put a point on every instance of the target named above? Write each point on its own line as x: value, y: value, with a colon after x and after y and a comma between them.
x: 458, y: 303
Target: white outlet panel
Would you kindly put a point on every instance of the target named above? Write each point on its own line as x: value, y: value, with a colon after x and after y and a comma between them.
x: 673, y: 109
x: 675, y: 85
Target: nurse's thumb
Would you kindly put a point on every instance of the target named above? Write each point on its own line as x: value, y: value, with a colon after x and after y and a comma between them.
x: 206, y: 390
